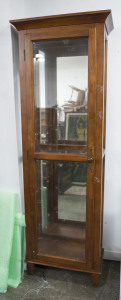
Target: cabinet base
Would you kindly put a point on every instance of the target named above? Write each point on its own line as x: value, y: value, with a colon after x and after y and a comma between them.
x: 95, y: 276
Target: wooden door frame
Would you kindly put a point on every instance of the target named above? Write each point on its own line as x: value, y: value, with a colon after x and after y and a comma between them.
x: 27, y: 96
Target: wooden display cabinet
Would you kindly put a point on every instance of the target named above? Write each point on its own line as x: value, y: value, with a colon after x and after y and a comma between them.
x: 63, y: 69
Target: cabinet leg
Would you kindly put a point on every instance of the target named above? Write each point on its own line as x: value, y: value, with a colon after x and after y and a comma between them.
x: 30, y: 268
x: 95, y: 279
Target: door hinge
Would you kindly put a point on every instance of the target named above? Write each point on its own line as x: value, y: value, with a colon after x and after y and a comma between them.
x: 91, y: 159
x: 91, y: 152
x: 24, y: 55
x: 27, y: 154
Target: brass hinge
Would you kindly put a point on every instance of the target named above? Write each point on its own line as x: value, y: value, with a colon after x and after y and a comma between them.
x: 24, y: 55
x: 91, y: 152
x: 91, y: 158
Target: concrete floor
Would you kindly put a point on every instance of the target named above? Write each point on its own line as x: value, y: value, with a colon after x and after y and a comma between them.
x: 58, y: 284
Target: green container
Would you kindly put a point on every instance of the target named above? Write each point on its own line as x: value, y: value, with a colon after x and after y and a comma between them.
x: 12, y: 241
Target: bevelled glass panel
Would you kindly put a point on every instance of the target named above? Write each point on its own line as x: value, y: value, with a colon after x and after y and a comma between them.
x: 61, y: 95
x: 61, y: 208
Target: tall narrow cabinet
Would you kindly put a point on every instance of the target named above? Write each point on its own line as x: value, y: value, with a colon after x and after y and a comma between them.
x: 63, y: 69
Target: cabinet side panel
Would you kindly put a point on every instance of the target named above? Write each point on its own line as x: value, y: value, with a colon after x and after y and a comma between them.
x: 91, y: 143
x: 98, y: 184
x: 31, y: 147
x: 105, y: 93
x: 24, y: 133
x: 104, y: 132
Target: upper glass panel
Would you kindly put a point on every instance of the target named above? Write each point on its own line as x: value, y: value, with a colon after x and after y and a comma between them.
x: 61, y: 95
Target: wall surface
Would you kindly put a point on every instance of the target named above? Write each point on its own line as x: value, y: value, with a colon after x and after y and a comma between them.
x: 10, y: 165
x: 9, y: 179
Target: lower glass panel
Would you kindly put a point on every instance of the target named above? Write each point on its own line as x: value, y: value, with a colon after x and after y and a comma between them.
x: 61, y: 207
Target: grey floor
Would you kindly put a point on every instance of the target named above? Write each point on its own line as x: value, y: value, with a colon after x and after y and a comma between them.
x: 51, y: 283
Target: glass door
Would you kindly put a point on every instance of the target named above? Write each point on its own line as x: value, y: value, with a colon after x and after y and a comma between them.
x: 61, y: 117
x: 62, y: 146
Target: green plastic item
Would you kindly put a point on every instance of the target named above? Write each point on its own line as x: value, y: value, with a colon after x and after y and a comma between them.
x: 12, y: 241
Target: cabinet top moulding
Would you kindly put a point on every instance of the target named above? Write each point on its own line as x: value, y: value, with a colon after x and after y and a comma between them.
x: 101, y: 16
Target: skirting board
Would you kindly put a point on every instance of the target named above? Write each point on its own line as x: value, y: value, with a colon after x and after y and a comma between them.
x: 112, y: 255
x: 120, y: 282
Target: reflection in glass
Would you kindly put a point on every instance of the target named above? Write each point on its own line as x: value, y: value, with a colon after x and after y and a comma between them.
x: 61, y: 95
x: 76, y: 126
x: 61, y: 203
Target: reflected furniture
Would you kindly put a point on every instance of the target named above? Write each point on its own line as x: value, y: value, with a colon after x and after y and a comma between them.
x: 63, y: 70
